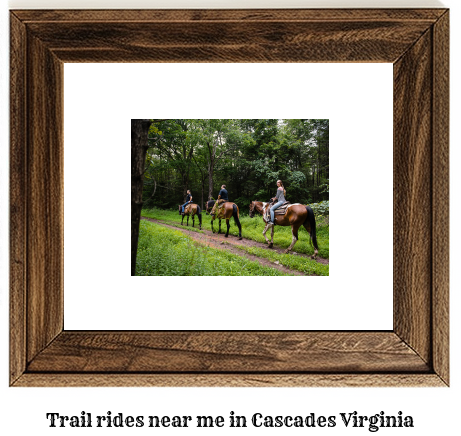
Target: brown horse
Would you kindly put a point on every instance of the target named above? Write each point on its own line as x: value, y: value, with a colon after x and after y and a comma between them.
x: 227, y: 210
x: 191, y: 210
x: 296, y: 216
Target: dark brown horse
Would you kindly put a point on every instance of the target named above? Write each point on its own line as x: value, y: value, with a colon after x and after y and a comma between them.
x: 296, y: 216
x: 191, y: 210
x: 226, y: 211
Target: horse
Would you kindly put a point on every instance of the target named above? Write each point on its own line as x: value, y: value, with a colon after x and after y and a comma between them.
x: 227, y: 210
x: 191, y: 210
x: 296, y: 216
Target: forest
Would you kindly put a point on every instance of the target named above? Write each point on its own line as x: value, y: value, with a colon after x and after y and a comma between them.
x: 173, y: 156
x: 248, y: 156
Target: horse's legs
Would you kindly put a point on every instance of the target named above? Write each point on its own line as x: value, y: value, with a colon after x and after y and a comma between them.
x: 219, y: 231
x: 212, y: 228
x: 294, y: 232
x: 193, y: 220
x: 228, y: 226
x: 188, y: 220
x: 265, y: 237
x: 272, y: 236
x: 182, y: 220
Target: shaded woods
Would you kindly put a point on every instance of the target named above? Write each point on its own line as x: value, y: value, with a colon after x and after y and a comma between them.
x: 248, y: 156
x: 172, y: 156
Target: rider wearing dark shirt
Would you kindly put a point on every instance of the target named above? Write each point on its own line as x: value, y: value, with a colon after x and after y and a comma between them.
x: 188, y: 200
x: 223, y: 194
x: 222, y: 197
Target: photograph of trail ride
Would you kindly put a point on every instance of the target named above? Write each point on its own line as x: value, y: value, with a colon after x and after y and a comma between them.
x: 230, y: 197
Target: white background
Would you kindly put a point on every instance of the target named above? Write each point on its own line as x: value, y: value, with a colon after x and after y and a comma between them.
x: 435, y: 411
x: 356, y: 98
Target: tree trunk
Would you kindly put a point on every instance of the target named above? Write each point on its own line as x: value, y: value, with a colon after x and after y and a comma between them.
x: 139, y: 146
x: 210, y: 181
x: 203, y: 190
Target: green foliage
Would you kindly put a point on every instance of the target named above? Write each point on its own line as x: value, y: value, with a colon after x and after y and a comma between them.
x: 296, y: 179
x: 322, y: 208
x: 154, y: 130
x: 166, y: 252
x: 264, y: 173
x: 322, y: 213
x: 296, y: 188
x: 247, y: 155
x: 325, y: 188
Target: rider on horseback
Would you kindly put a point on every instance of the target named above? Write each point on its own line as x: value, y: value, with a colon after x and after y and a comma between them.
x: 280, y: 196
x: 222, y: 197
x: 188, y: 200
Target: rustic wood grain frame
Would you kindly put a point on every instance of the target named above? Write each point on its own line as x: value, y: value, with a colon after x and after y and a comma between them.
x: 414, y: 353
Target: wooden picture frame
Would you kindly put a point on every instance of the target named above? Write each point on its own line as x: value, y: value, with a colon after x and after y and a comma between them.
x: 414, y: 353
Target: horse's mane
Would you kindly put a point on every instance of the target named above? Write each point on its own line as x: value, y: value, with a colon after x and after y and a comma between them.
x: 211, y: 203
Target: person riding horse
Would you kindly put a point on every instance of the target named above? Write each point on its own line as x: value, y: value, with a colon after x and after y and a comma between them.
x: 280, y: 196
x: 222, y: 197
x: 188, y: 200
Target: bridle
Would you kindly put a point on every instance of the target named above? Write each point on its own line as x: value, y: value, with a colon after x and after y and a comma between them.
x: 253, y: 209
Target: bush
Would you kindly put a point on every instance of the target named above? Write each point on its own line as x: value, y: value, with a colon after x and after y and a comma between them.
x: 322, y: 208
x: 321, y: 212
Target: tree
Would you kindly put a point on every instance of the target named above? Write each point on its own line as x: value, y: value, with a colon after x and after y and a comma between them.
x: 215, y: 136
x: 139, y: 146
x: 173, y: 141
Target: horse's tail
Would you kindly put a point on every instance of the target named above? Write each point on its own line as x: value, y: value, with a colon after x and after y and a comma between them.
x: 311, y: 219
x: 209, y: 203
x: 235, y: 214
x: 199, y: 213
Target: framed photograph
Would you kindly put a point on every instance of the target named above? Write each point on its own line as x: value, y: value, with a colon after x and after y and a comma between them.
x: 414, y: 353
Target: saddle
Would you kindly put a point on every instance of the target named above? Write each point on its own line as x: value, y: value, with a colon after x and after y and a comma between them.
x: 220, y: 203
x: 279, y: 211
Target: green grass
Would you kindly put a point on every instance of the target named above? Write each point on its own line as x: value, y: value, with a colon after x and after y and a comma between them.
x: 252, y: 228
x: 298, y: 263
x: 167, y: 252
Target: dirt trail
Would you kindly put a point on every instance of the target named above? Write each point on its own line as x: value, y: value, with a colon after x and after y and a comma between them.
x: 231, y: 244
